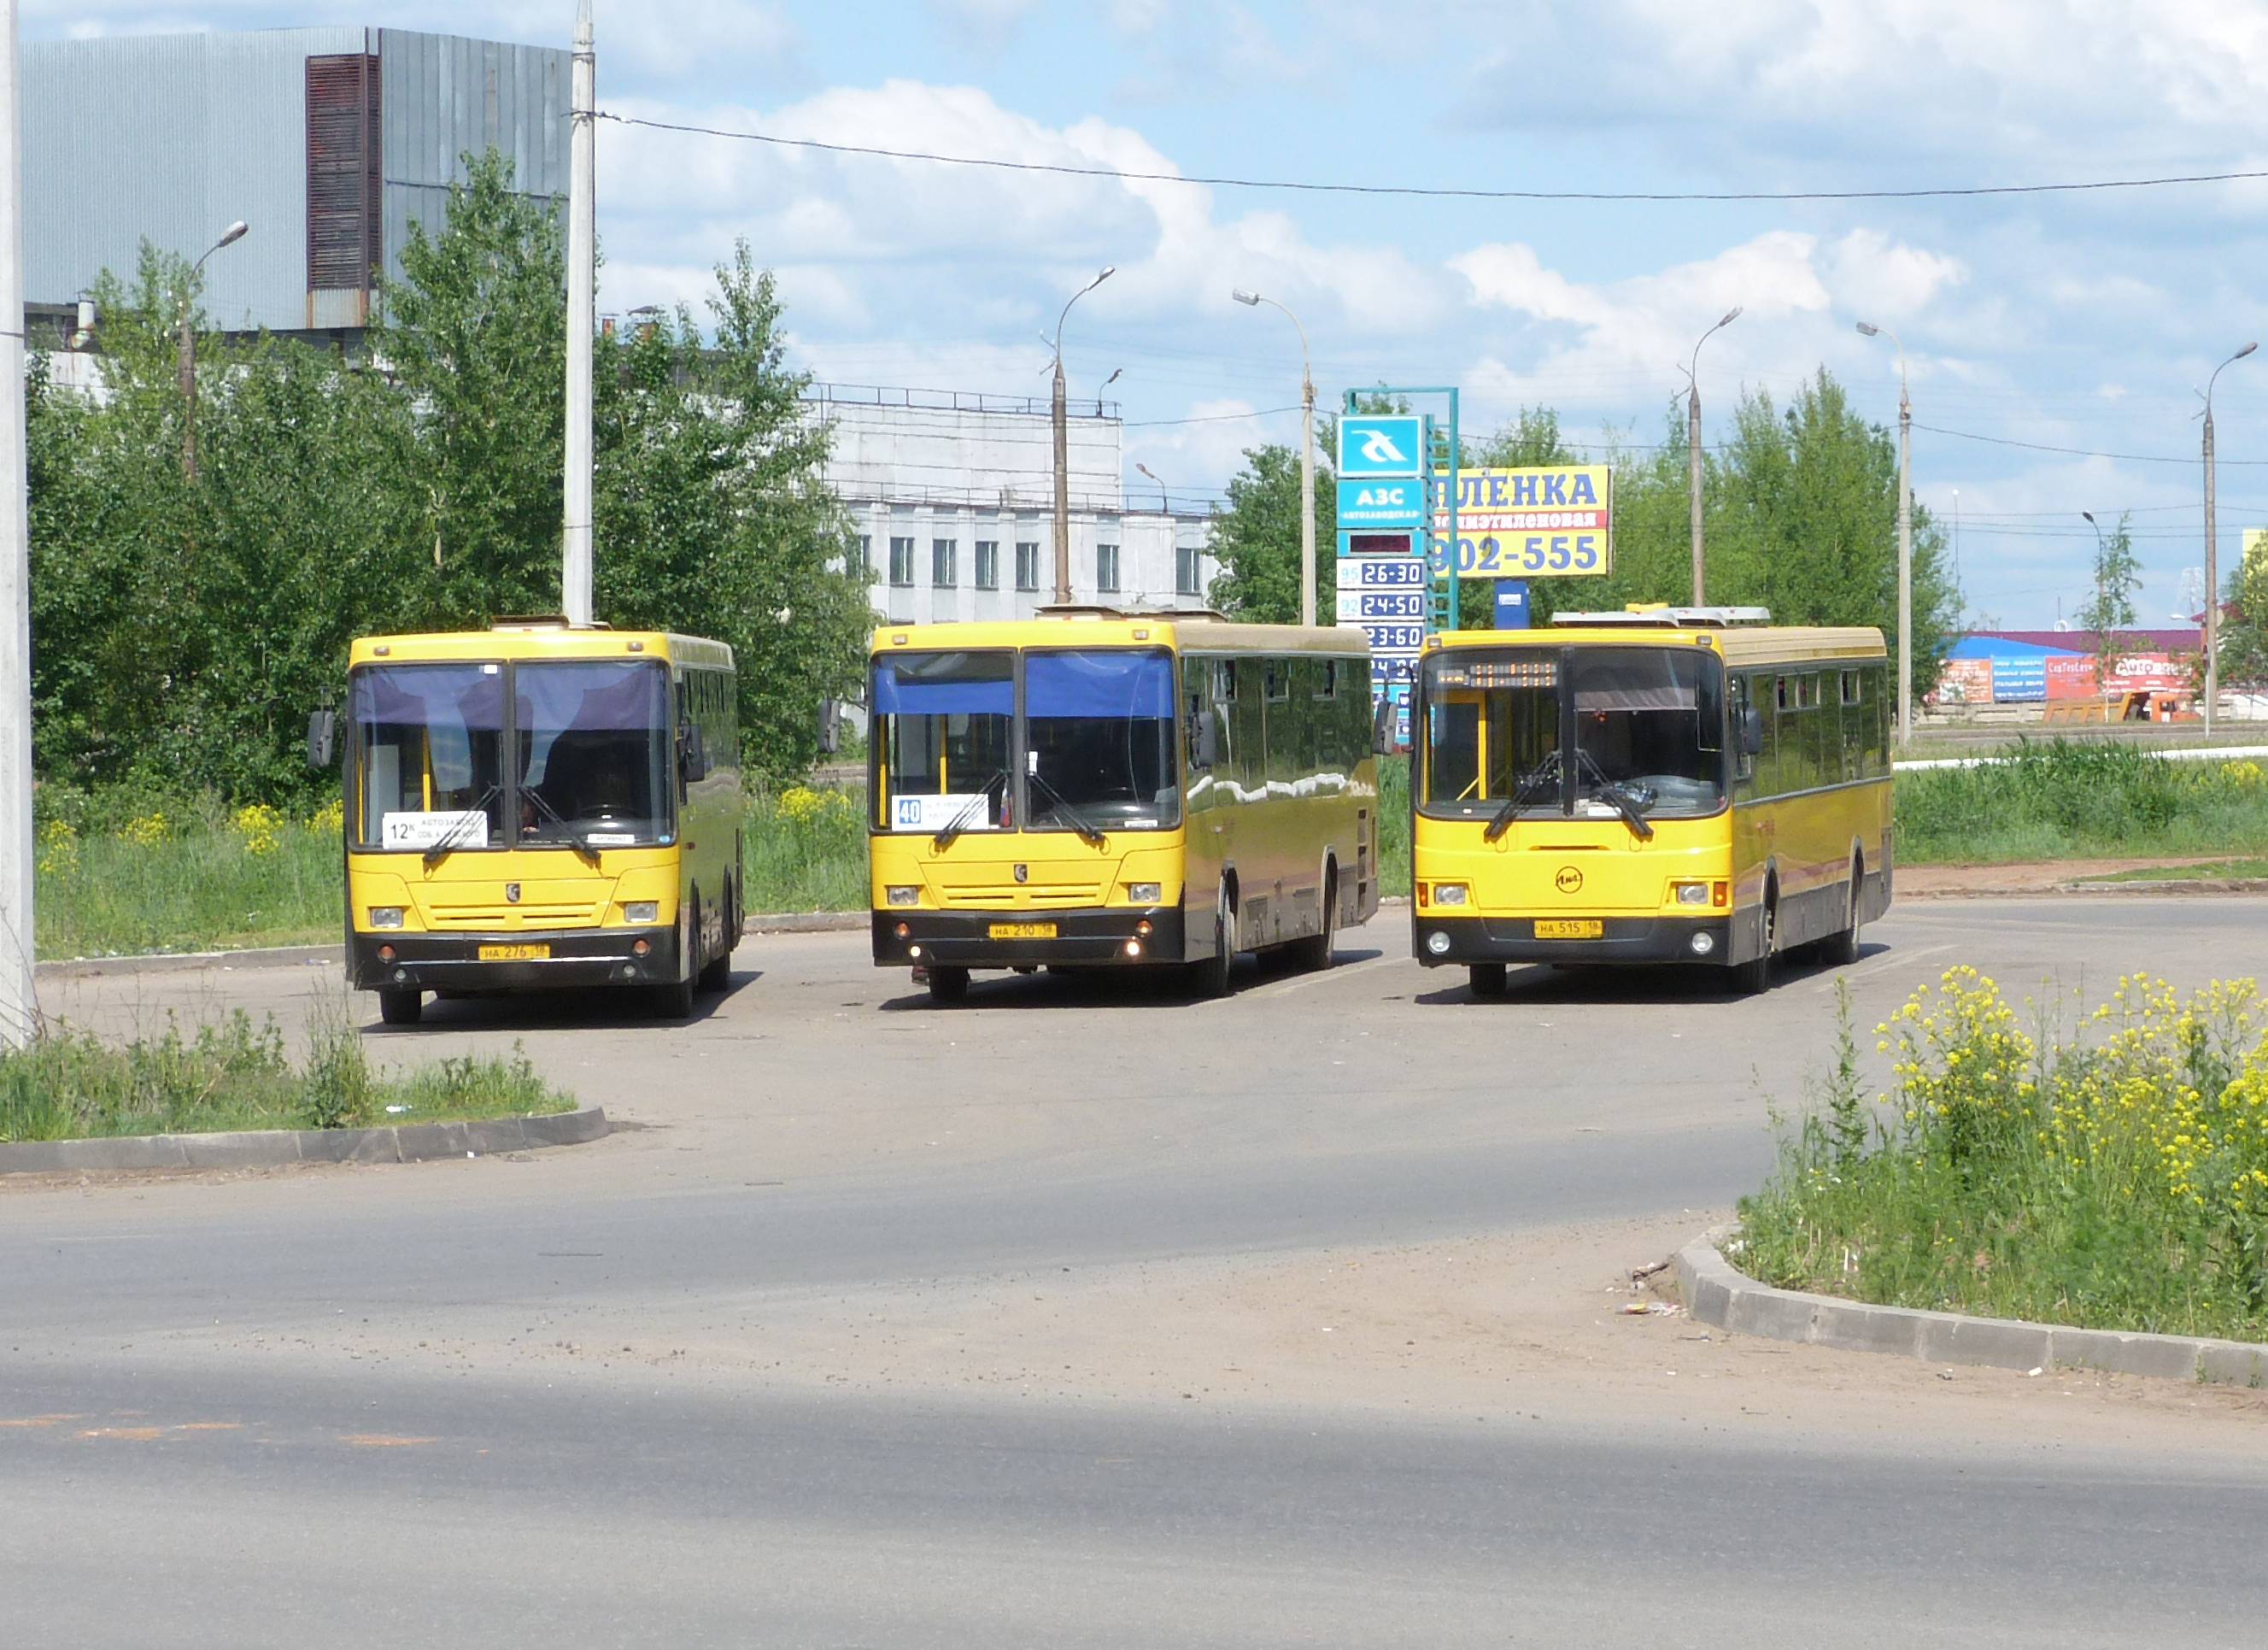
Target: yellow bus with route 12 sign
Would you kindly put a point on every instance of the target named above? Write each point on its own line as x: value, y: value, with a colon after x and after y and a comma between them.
x: 1095, y: 788
x: 1655, y: 786
x: 537, y: 805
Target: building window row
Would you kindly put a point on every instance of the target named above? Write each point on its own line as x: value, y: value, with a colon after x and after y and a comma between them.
x: 945, y: 564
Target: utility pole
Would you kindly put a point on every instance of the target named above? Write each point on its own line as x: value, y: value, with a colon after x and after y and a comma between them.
x: 19, y: 1007
x: 1062, y: 448
x: 1905, y: 539
x: 1693, y: 451
x: 187, y: 368
x: 1306, y: 455
x: 582, y: 323
x: 2213, y: 557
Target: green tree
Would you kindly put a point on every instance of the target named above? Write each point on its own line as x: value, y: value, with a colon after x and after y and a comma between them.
x: 711, y: 515
x: 2110, y: 608
x: 1257, y: 537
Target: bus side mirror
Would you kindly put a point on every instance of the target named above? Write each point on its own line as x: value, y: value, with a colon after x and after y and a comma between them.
x: 1382, y: 728
x: 1208, y: 740
x: 831, y: 726
x: 322, y: 735
x: 1752, y: 732
x: 693, y: 760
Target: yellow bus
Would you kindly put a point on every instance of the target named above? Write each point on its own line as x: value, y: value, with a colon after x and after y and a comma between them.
x: 1656, y: 785
x: 1093, y: 788
x: 538, y: 805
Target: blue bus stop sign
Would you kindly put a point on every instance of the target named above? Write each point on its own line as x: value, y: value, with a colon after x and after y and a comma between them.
x: 1511, y: 604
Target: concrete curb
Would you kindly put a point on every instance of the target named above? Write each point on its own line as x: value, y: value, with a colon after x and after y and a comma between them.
x: 804, y: 922
x: 265, y: 1148
x: 2188, y: 885
x: 172, y: 961
x: 1716, y: 1294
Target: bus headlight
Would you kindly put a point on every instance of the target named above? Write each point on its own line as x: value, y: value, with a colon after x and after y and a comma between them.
x: 642, y: 911
x: 386, y: 917
x: 1449, y: 893
x: 1438, y: 943
x: 902, y: 894
x: 1689, y: 892
x: 1144, y: 893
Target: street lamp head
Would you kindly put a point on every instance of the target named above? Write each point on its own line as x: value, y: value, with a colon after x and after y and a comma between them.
x: 233, y: 233
x: 2089, y: 514
x: 2241, y: 354
x: 1113, y: 379
x: 1109, y: 269
x: 1869, y: 329
x: 1731, y: 315
x: 1243, y: 296
x: 1146, y: 470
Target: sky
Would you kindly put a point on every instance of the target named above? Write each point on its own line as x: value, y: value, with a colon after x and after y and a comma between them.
x: 2085, y: 320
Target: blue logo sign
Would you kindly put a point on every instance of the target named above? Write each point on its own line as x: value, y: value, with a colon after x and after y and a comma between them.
x: 1512, y: 604
x: 1399, y: 503
x: 1388, y: 444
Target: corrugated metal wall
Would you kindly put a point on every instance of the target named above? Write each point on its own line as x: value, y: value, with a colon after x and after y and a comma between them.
x: 169, y: 137
x: 446, y: 96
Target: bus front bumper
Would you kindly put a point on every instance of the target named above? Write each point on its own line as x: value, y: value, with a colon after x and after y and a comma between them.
x: 1439, y: 940
x: 453, y: 962
x: 986, y: 939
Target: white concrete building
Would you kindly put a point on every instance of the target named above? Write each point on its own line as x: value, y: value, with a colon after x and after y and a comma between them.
x: 953, y: 497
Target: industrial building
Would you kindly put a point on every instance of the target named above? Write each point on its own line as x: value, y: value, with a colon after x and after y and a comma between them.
x: 328, y: 142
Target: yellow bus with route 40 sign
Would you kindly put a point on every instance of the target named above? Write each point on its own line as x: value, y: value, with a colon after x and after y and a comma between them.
x: 538, y: 805
x: 1093, y: 788
x: 1655, y: 786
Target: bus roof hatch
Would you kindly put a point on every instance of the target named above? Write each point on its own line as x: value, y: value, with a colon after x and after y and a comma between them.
x: 1667, y: 618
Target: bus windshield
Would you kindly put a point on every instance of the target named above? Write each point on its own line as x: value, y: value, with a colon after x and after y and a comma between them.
x: 943, y: 723
x: 1099, y: 732
x: 1645, y: 724
x: 593, y: 738
x: 431, y: 744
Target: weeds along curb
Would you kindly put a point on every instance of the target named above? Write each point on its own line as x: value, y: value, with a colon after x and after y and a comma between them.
x: 266, y: 1148
x: 1717, y: 1294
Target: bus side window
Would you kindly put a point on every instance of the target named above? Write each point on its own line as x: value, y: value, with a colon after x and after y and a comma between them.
x: 1744, y: 765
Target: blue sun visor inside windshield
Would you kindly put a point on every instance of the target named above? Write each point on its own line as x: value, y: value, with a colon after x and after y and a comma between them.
x: 918, y: 688
x: 1134, y: 686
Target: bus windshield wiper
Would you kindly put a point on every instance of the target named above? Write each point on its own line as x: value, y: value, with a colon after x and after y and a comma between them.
x: 966, y: 816
x: 582, y: 849
x: 1614, y: 797
x: 1067, y: 812
x: 1546, y: 770
x: 450, y: 838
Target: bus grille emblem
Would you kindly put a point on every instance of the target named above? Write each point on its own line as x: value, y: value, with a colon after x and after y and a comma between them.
x: 1569, y: 880
x: 512, y: 893
x: 1023, y: 873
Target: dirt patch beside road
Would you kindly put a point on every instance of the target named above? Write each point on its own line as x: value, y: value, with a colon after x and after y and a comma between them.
x: 1923, y: 882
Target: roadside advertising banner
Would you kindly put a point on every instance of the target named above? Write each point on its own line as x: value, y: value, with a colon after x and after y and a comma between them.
x: 1546, y: 522
x: 2020, y: 680
x: 2159, y: 673
x: 2071, y: 676
x: 1966, y: 682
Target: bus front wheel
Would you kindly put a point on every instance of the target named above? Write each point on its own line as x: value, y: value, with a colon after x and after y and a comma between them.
x: 400, y: 1005
x: 1217, y: 973
x: 1487, y: 979
x: 1754, y: 974
x: 1841, y: 949
x: 947, y: 985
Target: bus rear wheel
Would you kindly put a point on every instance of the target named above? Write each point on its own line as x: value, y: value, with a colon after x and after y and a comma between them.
x: 947, y: 985
x: 400, y: 1005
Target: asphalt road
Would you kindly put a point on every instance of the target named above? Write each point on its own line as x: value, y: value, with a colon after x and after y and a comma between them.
x: 630, y: 1392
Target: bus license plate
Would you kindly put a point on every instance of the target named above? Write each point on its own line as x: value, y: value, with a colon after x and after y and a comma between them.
x: 515, y: 954
x: 1022, y: 931
x: 1571, y: 929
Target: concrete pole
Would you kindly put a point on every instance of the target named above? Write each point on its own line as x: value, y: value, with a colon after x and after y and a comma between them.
x: 19, y: 1006
x: 1063, y: 481
x: 1307, y: 496
x: 1693, y: 488
x: 1905, y: 559
x: 2211, y: 586
x: 582, y: 323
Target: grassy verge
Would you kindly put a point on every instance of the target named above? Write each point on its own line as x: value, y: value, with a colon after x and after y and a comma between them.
x: 2112, y: 1176
x: 2064, y: 799
x: 232, y: 1075
x: 2211, y: 870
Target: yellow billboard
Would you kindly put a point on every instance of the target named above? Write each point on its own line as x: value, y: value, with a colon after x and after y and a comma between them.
x: 1552, y: 521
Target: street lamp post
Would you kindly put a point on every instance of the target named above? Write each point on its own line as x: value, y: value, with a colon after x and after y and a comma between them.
x: 1905, y: 539
x: 1164, y: 506
x: 188, y: 351
x: 2101, y: 640
x: 2213, y: 557
x: 1307, y: 456
x: 1693, y: 451
x: 1062, y: 448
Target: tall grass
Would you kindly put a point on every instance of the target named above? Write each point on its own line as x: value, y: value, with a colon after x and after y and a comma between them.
x: 230, y: 1073
x: 2110, y: 1175
x: 2067, y: 798
x: 806, y: 850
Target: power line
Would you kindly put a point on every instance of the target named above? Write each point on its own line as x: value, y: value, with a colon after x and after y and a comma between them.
x: 1418, y: 190
x: 2080, y: 453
